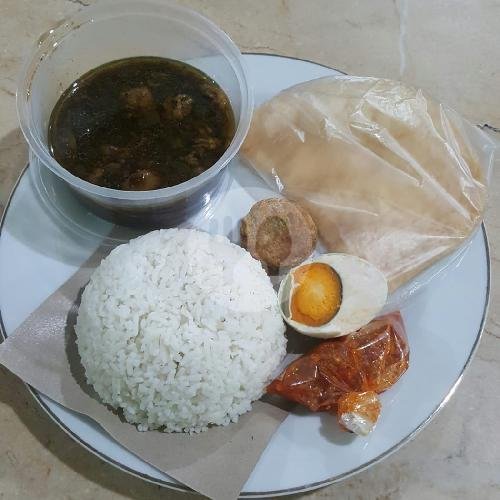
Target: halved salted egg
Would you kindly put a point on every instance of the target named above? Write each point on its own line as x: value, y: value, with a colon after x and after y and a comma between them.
x: 332, y: 295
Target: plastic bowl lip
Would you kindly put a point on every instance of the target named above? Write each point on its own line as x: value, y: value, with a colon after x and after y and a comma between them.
x: 62, y: 29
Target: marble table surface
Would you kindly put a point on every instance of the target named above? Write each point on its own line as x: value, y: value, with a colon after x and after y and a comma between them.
x: 451, y: 48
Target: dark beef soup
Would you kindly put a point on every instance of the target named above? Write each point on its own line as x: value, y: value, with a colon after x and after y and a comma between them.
x: 141, y: 123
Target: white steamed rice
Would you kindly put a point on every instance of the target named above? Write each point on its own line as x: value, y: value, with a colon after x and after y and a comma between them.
x: 180, y: 329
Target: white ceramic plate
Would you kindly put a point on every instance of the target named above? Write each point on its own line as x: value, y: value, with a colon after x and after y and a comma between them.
x: 444, y: 324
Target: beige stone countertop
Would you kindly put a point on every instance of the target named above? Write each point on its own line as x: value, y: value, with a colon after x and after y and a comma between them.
x: 451, y: 48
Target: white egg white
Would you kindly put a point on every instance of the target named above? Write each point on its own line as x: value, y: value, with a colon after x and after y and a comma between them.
x: 364, y: 294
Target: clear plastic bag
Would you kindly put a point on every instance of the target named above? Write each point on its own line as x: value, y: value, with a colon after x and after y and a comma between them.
x: 387, y: 173
x: 345, y: 375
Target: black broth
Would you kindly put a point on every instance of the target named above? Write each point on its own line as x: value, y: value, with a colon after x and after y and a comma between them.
x: 141, y: 123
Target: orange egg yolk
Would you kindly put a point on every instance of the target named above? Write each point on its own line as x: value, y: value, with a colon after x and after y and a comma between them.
x: 317, y: 294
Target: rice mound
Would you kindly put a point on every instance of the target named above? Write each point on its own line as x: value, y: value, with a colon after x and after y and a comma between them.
x: 180, y: 329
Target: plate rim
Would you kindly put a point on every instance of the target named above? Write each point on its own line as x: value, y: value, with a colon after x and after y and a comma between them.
x: 288, y: 491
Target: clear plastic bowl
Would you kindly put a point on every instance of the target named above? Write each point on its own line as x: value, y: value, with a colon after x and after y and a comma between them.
x: 114, y: 30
